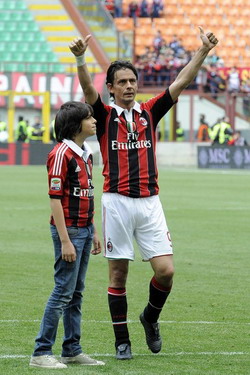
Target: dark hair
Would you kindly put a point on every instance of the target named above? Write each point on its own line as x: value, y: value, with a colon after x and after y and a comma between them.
x: 68, y: 119
x: 118, y: 65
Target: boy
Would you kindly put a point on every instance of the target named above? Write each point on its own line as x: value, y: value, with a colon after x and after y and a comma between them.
x: 69, y: 167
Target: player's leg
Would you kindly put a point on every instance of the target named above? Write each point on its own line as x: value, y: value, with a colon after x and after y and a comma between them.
x: 118, y: 240
x: 159, y: 290
x: 155, y: 245
x: 117, y: 299
x: 160, y: 286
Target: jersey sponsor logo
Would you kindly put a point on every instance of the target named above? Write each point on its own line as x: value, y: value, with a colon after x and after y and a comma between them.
x: 143, y: 121
x: 130, y: 145
x: 55, y: 184
x: 78, y: 192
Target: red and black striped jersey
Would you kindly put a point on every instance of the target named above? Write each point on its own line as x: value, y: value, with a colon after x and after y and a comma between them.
x: 128, y: 147
x: 70, y: 179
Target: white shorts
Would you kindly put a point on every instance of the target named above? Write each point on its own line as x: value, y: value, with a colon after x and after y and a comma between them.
x: 125, y: 218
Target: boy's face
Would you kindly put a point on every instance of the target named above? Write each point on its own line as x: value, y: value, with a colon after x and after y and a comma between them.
x: 124, y: 87
x: 88, y: 126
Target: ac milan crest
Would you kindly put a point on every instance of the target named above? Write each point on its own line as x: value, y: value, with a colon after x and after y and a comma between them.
x: 143, y: 121
x: 109, y: 246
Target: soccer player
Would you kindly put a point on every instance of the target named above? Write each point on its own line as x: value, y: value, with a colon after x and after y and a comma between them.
x: 126, y: 131
x: 71, y: 193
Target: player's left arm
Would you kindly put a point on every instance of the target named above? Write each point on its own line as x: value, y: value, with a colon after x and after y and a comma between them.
x: 189, y: 72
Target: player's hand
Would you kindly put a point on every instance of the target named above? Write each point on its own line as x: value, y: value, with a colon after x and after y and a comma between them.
x: 79, y: 46
x: 209, y: 40
x: 97, y: 247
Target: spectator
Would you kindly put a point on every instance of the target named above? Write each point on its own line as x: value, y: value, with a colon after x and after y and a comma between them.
x: 144, y: 8
x: 215, y: 81
x: 21, y: 131
x: 35, y: 131
x: 180, y: 137
x: 237, y: 140
x: 158, y: 42
x: 133, y: 10
x: 109, y: 4
x: 3, y: 131
x: 221, y: 132
x: 175, y: 43
x: 233, y: 81
x: 203, y: 131
x: 118, y: 8
x: 156, y: 9
x: 245, y: 88
x: 201, y: 78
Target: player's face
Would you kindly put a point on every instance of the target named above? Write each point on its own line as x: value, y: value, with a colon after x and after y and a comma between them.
x: 124, y: 88
x: 88, y: 126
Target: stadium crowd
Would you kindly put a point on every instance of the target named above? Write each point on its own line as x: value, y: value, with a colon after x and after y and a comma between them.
x: 144, y: 8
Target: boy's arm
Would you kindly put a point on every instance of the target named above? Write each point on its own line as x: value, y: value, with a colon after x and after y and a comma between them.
x: 68, y: 249
x: 97, y: 246
x: 78, y: 48
x: 189, y: 72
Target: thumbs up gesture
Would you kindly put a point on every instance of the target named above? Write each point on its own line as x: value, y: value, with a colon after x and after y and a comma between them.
x: 209, y: 40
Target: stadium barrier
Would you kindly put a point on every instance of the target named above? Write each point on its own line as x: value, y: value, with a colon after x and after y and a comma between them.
x: 224, y: 157
x: 21, y: 153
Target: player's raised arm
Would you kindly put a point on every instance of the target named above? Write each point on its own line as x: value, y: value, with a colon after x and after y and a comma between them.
x: 189, y: 72
x: 78, y: 48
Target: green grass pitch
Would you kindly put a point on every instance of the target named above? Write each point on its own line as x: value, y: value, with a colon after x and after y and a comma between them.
x: 205, y: 324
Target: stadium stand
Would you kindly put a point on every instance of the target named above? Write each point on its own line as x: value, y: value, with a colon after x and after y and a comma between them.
x: 29, y: 27
x: 228, y: 18
x: 22, y: 41
x: 34, y: 37
x: 58, y: 29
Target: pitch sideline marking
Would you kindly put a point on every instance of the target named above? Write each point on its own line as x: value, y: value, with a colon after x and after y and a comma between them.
x: 132, y: 321
x: 145, y: 355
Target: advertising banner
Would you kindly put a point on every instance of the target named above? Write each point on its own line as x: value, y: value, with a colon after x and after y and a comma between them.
x: 224, y: 157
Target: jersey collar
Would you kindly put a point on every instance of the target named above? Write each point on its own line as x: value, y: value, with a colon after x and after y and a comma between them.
x: 119, y: 110
x: 82, y: 152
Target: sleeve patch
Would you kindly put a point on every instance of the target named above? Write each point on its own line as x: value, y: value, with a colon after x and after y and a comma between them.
x: 55, y: 184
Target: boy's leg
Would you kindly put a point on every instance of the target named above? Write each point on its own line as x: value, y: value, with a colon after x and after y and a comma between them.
x: 72, y: 316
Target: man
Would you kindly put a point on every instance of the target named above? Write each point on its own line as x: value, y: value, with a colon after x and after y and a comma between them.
x: 21, y: 130
x: 221, y: 132
x: 180, y: 135
x: 35, y: 131
x: 203, y: 131
x: 126, y: 131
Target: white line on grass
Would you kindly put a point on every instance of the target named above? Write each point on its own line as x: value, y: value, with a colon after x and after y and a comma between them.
x: 209, y: 171
x: 132, y: 321
x: 173, y: 354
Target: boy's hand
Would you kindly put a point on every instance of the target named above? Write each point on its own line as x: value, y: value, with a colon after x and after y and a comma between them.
x: 97, y: 247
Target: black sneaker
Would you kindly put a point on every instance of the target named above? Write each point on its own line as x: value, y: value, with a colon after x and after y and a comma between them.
x: 152, y: 333
x: 123, y: 351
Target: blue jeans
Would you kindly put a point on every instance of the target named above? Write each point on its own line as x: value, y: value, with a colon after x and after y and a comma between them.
x: 66, y: 297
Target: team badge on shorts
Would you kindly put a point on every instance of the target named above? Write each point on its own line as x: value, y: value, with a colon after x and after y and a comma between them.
x: 55, y: 183
x: 143, y: 121
x: 109, y: 246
